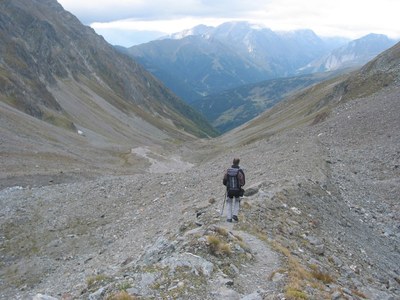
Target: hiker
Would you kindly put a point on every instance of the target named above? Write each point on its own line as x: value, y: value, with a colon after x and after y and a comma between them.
x: 234, y: 179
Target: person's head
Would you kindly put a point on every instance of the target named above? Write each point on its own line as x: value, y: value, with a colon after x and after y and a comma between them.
x: 236, y: 161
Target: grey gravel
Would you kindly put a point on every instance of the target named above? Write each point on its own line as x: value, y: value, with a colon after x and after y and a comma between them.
x: 328, y: 193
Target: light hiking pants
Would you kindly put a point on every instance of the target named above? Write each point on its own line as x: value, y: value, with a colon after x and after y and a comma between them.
x: 236, y: 206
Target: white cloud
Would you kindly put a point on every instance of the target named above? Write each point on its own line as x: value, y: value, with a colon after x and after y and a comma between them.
x: 349, y: 18
x: 166, y: 26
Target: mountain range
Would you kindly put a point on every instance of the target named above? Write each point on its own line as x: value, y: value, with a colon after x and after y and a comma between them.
x: 206, y: 60
x: 353, y: 54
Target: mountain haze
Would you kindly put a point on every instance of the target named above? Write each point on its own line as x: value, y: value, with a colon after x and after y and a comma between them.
x: 353, y: 54
x: 194, y: 65
x: 206, y: 60
x: 232, y: 108
x: 58, y: 77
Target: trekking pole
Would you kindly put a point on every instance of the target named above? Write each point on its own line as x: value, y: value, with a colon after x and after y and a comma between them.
x: 223, y: 205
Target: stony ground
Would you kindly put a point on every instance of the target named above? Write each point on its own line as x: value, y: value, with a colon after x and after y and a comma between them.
x: 320, y: 220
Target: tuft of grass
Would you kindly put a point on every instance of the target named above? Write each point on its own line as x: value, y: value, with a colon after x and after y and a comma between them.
x: 246, y: 205
x: 218, y: 247
x: 297, y: 275
x: 325, y: 278
x: 359, y: 294
x: 124, y: 286
x: 225, y: 249
x: 221, y: 231
x: 92, y: 280
x: 294, y: 294
x: 321, y: 276
x: 244, y: 246
x: 121, y: 296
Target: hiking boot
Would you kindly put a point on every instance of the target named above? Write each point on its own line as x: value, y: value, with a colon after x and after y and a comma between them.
x: 235, y: 218
x: 229, y: 220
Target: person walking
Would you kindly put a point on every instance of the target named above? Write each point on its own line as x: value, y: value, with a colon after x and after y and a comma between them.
x: 234, y: 180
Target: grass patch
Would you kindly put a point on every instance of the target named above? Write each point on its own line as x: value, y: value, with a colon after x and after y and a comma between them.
x: 218, y: 247
x: 294, y: 294
x: 321, y: 276
x: 246, y: 205
x: 325, y: 278
x: 121, y: 296
x: 221, y: 231
x: 123, y: 286
x: 92, y: 281
x: 58, y: 119
x: 244, y: 246
x: 359, y: 294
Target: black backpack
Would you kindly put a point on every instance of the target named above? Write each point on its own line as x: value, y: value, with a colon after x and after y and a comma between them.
x: 232, y: 183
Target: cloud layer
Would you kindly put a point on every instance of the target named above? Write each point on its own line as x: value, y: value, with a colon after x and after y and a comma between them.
x: 349, y: 18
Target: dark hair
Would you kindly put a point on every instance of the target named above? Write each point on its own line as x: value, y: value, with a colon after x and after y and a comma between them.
x: 236, y: 161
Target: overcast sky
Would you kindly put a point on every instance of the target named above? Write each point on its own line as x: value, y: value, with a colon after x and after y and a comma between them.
x: 130, y: 22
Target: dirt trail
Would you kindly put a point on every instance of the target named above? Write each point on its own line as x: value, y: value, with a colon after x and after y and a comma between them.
x: 257, y: 275
x: 253, y: 277
x: 161, y: 163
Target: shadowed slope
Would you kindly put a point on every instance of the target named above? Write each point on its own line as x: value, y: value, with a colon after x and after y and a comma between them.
x: 58, y: 78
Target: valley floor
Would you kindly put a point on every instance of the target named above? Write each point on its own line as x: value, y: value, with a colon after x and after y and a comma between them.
x: 319, y: 220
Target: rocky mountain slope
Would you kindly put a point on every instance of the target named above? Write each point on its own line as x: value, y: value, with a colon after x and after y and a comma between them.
x: 70, y: 96
x: 206, y: 60
x: 354, y: 54
x: 319, y: 220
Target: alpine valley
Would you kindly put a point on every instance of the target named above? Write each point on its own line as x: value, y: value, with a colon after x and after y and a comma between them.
x: 111, y: 184
x: 218, y: 70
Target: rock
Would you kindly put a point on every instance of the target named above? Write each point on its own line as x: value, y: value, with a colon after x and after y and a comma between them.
x: 278, y: 277
x: 133, y: 291
x: 229, y: 282
x: 234, y: 269
x: 155, y: 253
x: 251, y: 191
x: 319, y: 249
x: 373, y: 293
x: 43, y: 297
x: 336, y: 261
x: 253, y: 296
x: 295, y: 210
x: 314, y: 240
x: 194, y: 262
x: 98, y: 295
x: 336, y: 295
